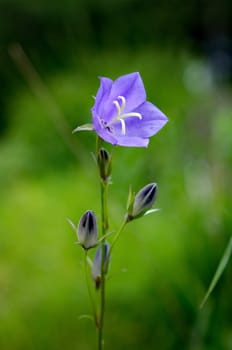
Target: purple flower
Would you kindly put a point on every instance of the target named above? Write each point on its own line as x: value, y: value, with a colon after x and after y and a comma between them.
x: 122, y: 116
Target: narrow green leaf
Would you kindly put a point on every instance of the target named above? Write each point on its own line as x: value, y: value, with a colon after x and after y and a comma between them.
x: 89, y: 317
x: 85, y: 127
x: 89, y: 261
x: 72, y: 224
x: 220, y: 269
x: 130, y: 200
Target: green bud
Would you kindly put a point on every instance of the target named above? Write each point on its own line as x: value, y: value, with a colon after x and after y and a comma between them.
x: 142, y: 201
x: 104, y: 164
x: 87, y: 230
x: 96, y: 269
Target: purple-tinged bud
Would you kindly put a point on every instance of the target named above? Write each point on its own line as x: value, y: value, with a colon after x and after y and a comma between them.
x: 104, y: 164
x: 143, y: 201
x: 96, y: 269
x: 87, y: 230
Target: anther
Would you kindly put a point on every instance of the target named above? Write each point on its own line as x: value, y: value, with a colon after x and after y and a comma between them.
x: 122, y: 98
x: 123, y: 125
x: 117, y: 107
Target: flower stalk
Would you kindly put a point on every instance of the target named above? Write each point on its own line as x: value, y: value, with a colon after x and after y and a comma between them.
x: 104, y: 227
x: 89, y: 288
x: 118, y: 233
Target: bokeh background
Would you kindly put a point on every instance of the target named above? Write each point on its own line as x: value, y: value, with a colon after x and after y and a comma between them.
x: 51, y: 53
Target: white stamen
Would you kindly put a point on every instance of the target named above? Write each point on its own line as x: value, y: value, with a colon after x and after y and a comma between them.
x: 121, y: 116
x: 132, y: 114
x: 122, y: 98
x: 117, y: 107
x: 123, y: 125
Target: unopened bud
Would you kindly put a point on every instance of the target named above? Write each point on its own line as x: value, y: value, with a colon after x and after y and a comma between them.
x: 143, y: 201
x: 87, y: 230
x: 104, y: 163
x: 96, y: 269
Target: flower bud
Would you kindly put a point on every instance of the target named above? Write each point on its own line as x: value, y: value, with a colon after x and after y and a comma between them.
x: 87, y: 230
x: 143, y: 200
x: 96, y: 269
x: 104, y: 164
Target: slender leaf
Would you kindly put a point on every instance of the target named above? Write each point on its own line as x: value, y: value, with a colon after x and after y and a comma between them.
x: 220, y: 269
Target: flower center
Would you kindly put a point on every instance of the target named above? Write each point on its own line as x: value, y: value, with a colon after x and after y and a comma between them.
x: 120, y: 116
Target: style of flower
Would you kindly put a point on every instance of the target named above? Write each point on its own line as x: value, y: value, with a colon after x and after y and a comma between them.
x: 121, y: 115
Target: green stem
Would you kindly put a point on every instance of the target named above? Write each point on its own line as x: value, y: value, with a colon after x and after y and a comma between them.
x: 104, y: 228
x: 98, y: 144
x: 116, y: 237
x: 88, y: 287
x: 102, y: 290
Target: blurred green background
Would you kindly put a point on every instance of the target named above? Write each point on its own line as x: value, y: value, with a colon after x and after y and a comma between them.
x: 51, y: 54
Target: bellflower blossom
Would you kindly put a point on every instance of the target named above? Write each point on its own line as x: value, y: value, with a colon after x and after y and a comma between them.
x: 121, y: 115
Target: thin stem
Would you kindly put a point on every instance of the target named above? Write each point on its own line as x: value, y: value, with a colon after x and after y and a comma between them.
x: 104, y: 228
x: 98, y: 144
x: 116, y: 237
x: 102, y: 290
x: 89, y: 289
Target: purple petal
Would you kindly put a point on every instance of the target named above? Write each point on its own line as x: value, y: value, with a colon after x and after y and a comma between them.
x: 152, y: 121
x: 131, y: 87
x: 132, y: 141
x: 118, y: 139
x: 101, y: 131
x: 102, y: 94
x: 107, y: 136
